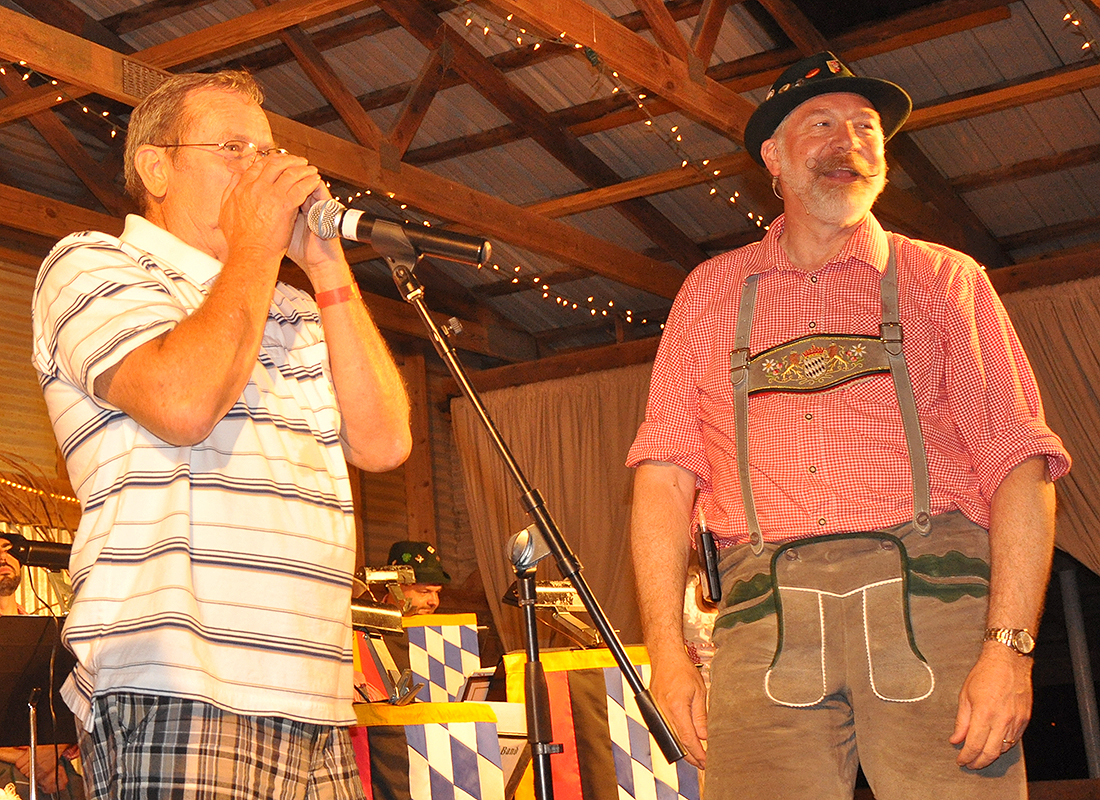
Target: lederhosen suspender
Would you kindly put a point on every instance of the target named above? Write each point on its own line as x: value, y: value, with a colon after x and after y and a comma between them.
x: 816, y: 363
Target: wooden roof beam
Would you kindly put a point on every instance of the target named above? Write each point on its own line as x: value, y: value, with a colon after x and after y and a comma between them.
x: 707, y: 25
x: 645, y: 64
x: 637, y: 60
x: 805, y: 35
x: 66, y: 15
x: 976, y: 239
x: 1069, y: 265
x: 490, y: 82
x: 419, y: 99
x: 642, y: 187
x: 1038, y: 236
x: 313, y: 64
x: 263, y: 23
x: 147, y: 13
x: 372, y: 24
x: 663, y: 27
x: 72, y: 152
x: 609, y: 113
x: 98, y: 69
x: 547, y: 279
x: 1010, y: 94
x: 1028, y: 169
x: 187, y: 49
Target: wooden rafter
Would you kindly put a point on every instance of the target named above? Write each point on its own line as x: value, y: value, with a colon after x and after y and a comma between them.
x: 1010, y: 94
x: 148, y: 13
x: 1045, y: 234
x: 313, y: 64
x: 113, y: 75
x: 419, y: 99
x: 656, y: 183
x: 637, y: 60
x: 663, y: 27
x: 977, y: 240
x: 1057, y: 162
x: 72, y: 152
x: 609, y: 113
x: 707, y: 25
x: 432, y: 31
x: 64, y: 14
x: 805, y: 35
x: 194, y: 47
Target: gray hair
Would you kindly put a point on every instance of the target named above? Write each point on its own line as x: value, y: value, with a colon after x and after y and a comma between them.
x: 165, y: 115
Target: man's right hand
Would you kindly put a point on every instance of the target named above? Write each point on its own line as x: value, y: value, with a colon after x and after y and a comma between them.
x: 678, y: 688
x: 260, y: 208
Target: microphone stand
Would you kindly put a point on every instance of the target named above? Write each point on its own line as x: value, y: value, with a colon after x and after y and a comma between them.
x: 389, y: 240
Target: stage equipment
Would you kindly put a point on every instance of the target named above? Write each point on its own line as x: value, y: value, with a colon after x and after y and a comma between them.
x: 53, y: 556
x: 401, y: 255
x: 555, y: 604
x: 329, y: 219
x: 31, y: 672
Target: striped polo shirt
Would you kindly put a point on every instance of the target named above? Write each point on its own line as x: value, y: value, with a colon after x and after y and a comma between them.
x: 219, y: 572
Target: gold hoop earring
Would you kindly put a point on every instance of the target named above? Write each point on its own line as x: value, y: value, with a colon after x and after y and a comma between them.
x: 775, y: 187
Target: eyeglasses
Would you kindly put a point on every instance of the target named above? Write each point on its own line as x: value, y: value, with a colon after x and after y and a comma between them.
x: 239, y: 155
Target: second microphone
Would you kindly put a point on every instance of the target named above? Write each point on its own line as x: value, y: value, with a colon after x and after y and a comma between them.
x: 330, y: 218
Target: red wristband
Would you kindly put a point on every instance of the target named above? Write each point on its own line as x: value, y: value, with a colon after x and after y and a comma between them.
x: 331, y: 297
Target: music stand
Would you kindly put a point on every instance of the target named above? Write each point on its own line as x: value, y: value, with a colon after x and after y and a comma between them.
x: 28, y: 644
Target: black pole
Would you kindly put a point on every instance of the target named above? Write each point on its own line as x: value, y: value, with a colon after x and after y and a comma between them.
x: 535, y: 692
x: 390, y: 241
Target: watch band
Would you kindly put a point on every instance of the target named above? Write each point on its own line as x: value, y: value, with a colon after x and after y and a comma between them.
x: 1019, y: 640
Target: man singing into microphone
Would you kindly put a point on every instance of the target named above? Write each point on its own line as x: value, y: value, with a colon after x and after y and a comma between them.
x: 205, y: 412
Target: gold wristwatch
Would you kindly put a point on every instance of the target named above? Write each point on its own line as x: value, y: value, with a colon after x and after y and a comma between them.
x: 1018, y: 639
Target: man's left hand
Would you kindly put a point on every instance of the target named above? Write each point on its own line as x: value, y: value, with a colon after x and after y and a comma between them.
x: 308, y: 250
x: 994, y: 706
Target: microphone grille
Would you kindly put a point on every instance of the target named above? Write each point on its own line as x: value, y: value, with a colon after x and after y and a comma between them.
x: 324, y: 218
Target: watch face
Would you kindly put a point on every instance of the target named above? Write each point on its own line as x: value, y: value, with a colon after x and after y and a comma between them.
x: 1023, y: 642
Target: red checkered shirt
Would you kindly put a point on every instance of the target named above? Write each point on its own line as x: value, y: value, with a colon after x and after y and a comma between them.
x: 836, y: 460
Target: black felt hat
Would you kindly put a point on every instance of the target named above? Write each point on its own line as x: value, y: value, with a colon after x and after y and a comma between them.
x: 424, y: 560
x: 822, y: 74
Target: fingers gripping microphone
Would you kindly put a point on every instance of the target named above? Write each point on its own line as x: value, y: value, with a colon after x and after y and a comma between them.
x: 329, y: 219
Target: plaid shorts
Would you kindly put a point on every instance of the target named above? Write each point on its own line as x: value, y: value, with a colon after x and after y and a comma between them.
x: 145, y: 746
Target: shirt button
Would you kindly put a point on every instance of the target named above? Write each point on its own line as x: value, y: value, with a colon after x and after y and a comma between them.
x: 813, y: 470
x: 809, y: 416
x: 813, y: 324
x: 813, y: 279
x: 821, y: 521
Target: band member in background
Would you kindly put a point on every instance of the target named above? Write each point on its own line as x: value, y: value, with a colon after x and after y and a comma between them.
x: 885, y: 502
x: 56, y: 776
x: 421, y: 597
x: 206, y: 413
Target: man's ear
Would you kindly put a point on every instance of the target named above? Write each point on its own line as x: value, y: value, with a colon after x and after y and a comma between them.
x: 152, y: 165
x: 769, y: 151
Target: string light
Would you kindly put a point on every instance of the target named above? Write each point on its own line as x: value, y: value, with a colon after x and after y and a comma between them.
x: 26, y: 72
x: 40, y: 492
x: 1078, y: 28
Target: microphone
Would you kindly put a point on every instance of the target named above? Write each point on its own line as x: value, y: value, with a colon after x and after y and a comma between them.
x: 329, y: 219
x: 53, y: 556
